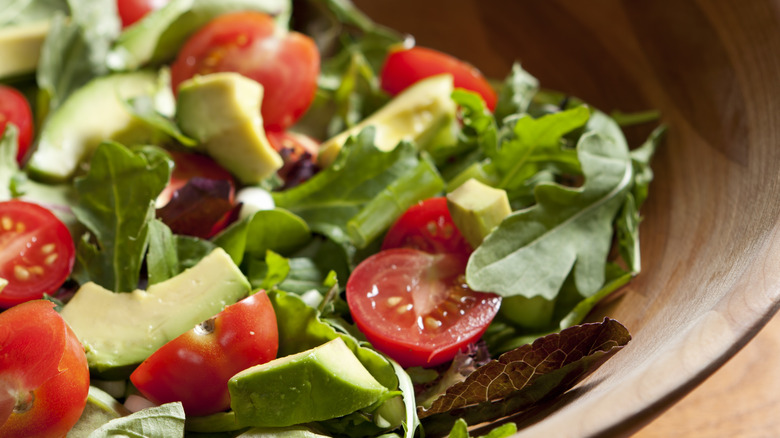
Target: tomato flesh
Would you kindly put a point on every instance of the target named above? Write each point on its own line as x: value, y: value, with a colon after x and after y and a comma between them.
x: 36, y: 252
x: 428, y: 226
x: 415, y: 306
x: 403, y: 67
x: 131, y: 11
x: 15, y: 109
x: 44, y: 371
x: 287, y: 64
x: 195, y: 367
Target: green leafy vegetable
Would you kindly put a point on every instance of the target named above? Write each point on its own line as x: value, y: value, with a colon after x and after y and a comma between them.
x: 17, y: 12
x: 156, y: 422
x: 530, y: 374
x: 460, y: 430
x: 533, y: 250
x: 516, y: 94
x: 116, y: 204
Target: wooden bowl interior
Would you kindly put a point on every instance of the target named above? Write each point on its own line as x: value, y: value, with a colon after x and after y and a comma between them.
x: 710, y: 249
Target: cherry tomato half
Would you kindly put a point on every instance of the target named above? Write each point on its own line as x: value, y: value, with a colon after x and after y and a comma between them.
x: 195, y: 367
x: 428, y: 226
x: 250, y: 43
x: 36, y: 252
x: 44, y: 377
x: 404, y: 67
x: 14, y: 108
x: 131, y: 11
x: 415, y: 306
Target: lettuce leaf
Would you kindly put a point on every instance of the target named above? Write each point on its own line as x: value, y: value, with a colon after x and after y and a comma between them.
x: 527, y: 375
x: 160, y: 421
x: 116, y: 204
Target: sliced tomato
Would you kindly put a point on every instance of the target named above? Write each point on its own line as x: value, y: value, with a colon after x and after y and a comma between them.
x: 44, y: 377
x: 287, y: 64
x: 15, y: 109
x: 36, y: 252
x: 415, y: 306
x: 403, y: 67
x: 131, y: 11
x: 428, y: 226
x: 195, y: 367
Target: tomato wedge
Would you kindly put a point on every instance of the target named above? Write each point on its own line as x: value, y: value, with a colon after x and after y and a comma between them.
x: 36, y: 252
x: 403, y: 67
x: 287, y: 64
x: 44, y: 377
x: 15, y: 109
x: 195, y: 367
x: 415, y: 306
x: 428, y: 226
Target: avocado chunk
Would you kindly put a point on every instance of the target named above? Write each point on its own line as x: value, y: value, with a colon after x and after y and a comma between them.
x: 20, y: 47
x: 419, y: 114
x: 100, y: 409
x: 476, y: 209
x: 222, y: 112
x: 120, y: 330
x: 92, y: 114
x: 325, y: 382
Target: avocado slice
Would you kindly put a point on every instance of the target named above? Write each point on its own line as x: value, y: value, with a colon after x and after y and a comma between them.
x: 325, y: 382
x: 20, y: 47
x: 476, y: 209
x: 418, y: 114
x: 92, y: 114
x: 100, y: 409
x: 120, y: 330
x: 222, y: 112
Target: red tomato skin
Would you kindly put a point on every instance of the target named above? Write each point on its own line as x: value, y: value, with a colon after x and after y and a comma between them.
x: 59, y: 398
x: 428, y: 226
x: 403, y: 67
x: 14, y: 108
x: 392, y: 295
x: 187, y: 166
x: 25, y: 260
x: 195, y: 367
x: 293, y: 148
x: 287, y: 64
x: 131, y: 11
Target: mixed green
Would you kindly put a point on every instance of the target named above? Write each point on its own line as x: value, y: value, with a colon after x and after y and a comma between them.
x: 557, y: 232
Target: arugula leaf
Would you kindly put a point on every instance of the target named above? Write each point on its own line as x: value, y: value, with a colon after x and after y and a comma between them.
x: 533, y: 250
x: 156, y: 422
x: 17, y: 12
x: 116, y: 204
x: 516, y: 93
x: 527, y: 375
x: 162, y: 261
x: 338, y: 194
x: 75, y: 49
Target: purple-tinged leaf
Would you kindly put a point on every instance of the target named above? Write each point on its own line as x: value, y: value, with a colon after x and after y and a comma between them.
x: 199, y: 206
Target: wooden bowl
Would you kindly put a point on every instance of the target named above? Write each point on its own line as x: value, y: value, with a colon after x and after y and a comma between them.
x: 710, y: 243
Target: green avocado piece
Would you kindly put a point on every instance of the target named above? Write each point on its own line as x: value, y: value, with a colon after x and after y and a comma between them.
x: 222, y: 112
x: 325, y: 382
x: 92, y: 114
x: 419, y: 113
x: 120, y: 330
x: 476, y: 209
x: 100, y: 409
x: 20, y: 46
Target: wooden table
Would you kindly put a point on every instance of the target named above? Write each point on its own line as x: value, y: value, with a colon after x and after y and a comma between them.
x: 740, y: 400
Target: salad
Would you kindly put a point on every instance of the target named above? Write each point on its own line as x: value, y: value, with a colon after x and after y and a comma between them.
x: 236, y: 218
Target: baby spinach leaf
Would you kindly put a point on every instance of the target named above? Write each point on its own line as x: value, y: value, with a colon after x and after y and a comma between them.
x: 527, y: 375
x: 533, y: 250
x: 156, y: 422
x: 162, y: 261
x: 276, y: 230
x: 116, y: 204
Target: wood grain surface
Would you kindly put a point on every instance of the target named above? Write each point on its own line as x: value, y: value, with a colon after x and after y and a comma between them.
x: 711, y: 234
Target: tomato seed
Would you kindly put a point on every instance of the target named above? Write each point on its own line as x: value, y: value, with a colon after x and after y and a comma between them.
x: 48, y: 248
x: 35, y: 270
x: 431, y: 323
x: 20, y: 273
x: 50, y: 259
x: 7, y: 223
x: 394, y: 301
x: 20, y: 227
